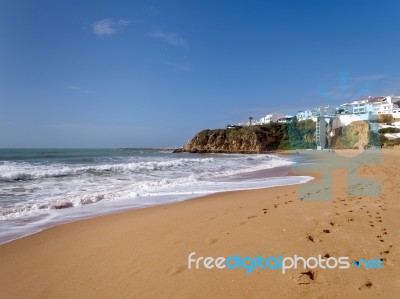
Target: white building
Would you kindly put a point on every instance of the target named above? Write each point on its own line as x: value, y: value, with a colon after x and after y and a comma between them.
x: 314, y: 113
x: 286, y: 119
x: 369, y: 108
x: 361, y: 107
x: 304, y: 115
x: 346, y: 119
x: 346, y: 108
x: 270, y: 118
x: 396, y: 113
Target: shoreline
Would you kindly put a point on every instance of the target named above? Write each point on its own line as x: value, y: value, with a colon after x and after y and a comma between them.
x: 126, y: 209
x: 58, y: 217
x: 143, y: 253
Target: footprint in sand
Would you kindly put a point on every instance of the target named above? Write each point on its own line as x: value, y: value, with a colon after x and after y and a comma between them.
x: 176, y: 270
x: 326, y: 231
x: 211, y: 241
x: 306, y: 277
x: 366, y: 285
x: 311, y: 238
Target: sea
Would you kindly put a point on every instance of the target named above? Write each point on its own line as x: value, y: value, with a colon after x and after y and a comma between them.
x: 41, y: 188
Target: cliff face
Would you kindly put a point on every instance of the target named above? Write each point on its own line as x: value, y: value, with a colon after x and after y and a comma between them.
x: 355, y: 135
x: 243, y: 140
x: 275, y: 136
x: 255, y: 139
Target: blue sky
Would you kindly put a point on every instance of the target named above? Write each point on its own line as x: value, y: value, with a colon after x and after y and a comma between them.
x: 153, y: 73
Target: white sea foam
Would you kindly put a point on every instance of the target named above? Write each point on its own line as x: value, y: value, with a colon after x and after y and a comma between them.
x: 11, y: 171
x: 37, y: 190
x: 57, y: 186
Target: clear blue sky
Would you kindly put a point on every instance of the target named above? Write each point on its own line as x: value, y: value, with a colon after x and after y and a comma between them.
x: 153, y: 73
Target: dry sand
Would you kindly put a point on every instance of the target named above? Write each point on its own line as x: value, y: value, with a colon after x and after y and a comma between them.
x: 143, y: 253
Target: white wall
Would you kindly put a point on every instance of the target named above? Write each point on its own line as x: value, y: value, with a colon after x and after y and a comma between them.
x: 346, y: 119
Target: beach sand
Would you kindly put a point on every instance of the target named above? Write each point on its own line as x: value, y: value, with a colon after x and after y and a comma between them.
x: 144, y: 253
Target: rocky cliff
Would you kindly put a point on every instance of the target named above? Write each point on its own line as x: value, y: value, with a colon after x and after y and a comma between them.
x: 254, y: 139
x: 243, y: 140
x: 355, y: 135
x: 276, y: 136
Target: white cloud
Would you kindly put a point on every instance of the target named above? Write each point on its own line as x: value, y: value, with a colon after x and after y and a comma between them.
x: 171, y: 38
x: 373, y: 77
x: 77, y: 88
x: 180, y: 66
x: 108, y: 27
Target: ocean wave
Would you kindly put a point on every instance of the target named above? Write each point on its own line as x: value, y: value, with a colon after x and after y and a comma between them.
x: 88, y: 184
x: 12, y: 171
x: 134, y: 190
x: 141, y: 194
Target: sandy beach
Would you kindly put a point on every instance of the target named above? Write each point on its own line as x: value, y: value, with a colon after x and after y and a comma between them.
x: 144, y: 253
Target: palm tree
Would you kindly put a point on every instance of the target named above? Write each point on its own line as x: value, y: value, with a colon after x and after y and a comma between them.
x: 250, y: 120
